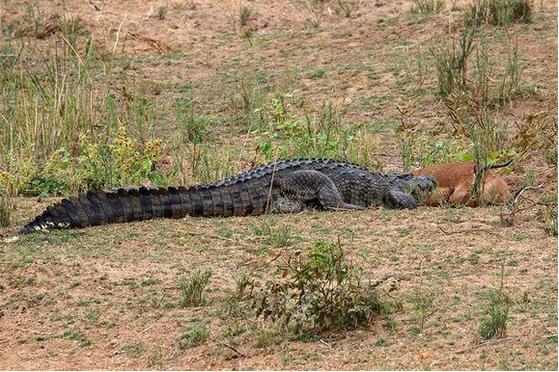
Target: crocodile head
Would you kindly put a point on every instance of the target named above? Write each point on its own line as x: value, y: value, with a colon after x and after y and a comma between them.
x: 420, y: 187
x: 404, y: 190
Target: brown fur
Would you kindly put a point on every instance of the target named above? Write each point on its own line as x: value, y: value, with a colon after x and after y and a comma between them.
x: 456, y: 181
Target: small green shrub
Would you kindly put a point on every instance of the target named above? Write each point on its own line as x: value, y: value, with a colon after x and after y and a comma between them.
x: 245, y: 14
x: 192, y: 288
x: 451, y: 59
x: 5, y: 208
x: 466, y: 65
x: 278, y: 236
x: 193, y: 129
x: 498, y: 12
x: 548, y: 213
x: 161, y: 13
x: 195, y: 336
x: 252, y: 103
x: 52, y: 179
x: 427, y: 6
x: 495, y: 315
x: 119, y: 161
x: 320, y: 292
x: 244, y: 288
x: 346, y: 7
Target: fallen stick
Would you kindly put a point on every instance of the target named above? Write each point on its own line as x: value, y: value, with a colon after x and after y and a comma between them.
x: 490, y: 342
x: 231, y: 348
x: 217, y: 237
x: 468, y: 230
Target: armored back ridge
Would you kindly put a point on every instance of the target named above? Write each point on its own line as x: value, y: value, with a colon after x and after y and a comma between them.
x: 280, y: 187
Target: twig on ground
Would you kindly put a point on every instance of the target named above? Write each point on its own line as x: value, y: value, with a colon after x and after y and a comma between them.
x: 147, y: 329
x: 250, y: 262
x: 222, y: 343
x: 384, y: 278
x: 487, y: 231
x: 217, y: 237
x: 486, y: 343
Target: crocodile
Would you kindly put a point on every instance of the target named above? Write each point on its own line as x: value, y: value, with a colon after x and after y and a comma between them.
x: 283, y: 186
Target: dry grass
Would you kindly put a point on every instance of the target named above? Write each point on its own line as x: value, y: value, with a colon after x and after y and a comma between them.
x: 115, y: 287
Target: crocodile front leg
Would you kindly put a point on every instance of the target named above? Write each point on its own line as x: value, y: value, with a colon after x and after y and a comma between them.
x: 310, y: 187
x: 399, y: 199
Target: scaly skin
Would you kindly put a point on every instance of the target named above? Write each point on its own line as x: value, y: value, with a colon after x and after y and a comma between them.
x: 284, y: 186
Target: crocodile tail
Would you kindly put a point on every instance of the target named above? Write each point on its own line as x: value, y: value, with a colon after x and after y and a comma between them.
x: 98, y: 207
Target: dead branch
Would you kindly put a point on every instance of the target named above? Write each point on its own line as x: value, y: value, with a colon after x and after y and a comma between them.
x: 230, y: 347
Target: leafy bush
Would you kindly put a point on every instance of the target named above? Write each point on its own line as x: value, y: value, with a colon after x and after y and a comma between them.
x: 113, y: 163
x: 320, y: 292
x: 119, y: 161
x: 315, y: 133
x: 52, y: 179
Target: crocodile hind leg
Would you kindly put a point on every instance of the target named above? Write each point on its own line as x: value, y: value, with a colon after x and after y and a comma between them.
x: 308, y: 186
x: 286, y: 205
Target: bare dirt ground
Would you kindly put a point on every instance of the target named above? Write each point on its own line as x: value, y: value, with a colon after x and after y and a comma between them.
x: 105, y: 297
